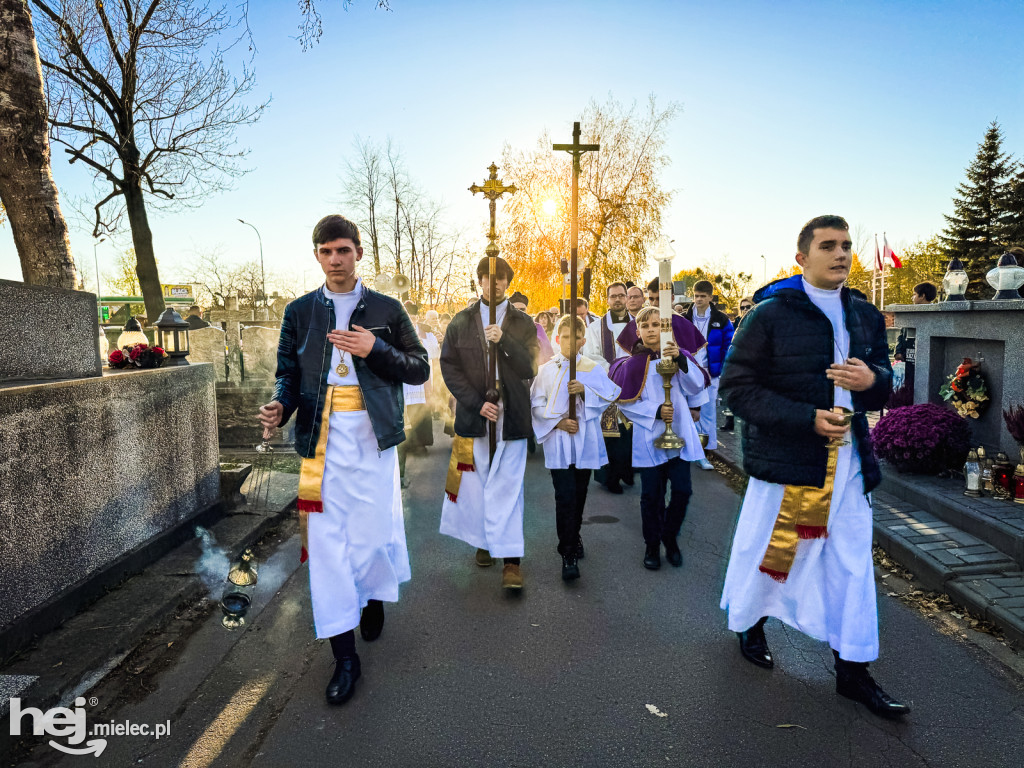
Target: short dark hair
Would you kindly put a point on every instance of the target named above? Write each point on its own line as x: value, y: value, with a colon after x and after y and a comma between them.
x: 925, y: 289
x: 806, y: 236
x: 704, y: 286
x: 615, y: 285
x: 653, y: 285
x: 581, y: 302
x: 501, y: 267
x: 335, y: 227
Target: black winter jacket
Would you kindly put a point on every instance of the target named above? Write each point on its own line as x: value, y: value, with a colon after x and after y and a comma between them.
x: 774, y: 379
x: 464, y: 368
x: 304, y: 360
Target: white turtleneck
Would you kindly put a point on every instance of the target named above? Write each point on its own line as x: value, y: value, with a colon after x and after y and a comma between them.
x: 344, y: 305
x: 830, y: 302
x: 499, y: 314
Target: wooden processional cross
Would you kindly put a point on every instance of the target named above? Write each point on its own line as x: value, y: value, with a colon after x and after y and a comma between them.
x: 492, y: 188
x: 576, y: 150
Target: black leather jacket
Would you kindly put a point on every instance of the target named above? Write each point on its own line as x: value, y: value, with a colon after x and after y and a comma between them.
x: 464, y: 368
x: 774, y: 379
x: 304, y: 360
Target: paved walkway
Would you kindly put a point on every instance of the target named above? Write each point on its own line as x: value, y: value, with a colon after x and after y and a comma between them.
x: 625, y: 667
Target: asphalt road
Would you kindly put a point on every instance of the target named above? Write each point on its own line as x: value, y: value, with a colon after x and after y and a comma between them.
x: 563, y: 675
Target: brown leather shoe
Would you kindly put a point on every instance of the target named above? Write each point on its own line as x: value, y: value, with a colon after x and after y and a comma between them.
x: 511, y: 577
x: 483, y: 558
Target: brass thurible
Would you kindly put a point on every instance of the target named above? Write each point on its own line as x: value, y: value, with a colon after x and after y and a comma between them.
x: 238, y: 592
x: 669, y: 441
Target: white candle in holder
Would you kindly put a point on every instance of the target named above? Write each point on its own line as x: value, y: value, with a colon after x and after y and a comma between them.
x: 663, y: 253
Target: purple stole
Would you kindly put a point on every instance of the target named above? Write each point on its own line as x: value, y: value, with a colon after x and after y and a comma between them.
x: 630, y: 373
x: 688, y: 338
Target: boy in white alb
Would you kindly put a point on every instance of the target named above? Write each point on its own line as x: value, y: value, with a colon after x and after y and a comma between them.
x: 572, y: 447
x: 643, y: 401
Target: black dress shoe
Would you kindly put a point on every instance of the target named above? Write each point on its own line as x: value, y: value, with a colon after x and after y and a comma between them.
x: 857, y: 684
x: 652, y: 557
x: 371, y: 622
x: 613, y: 487
x: 672, y: 553
x: 754, y: 646
x: 570, y: 568
x: 343, y: 681
x: 579, y: 548
x: 629, y: 481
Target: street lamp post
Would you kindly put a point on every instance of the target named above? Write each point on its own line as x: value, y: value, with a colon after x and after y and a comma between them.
x: 96, y: 260
x: 263, y: 276
x: 764, y: 279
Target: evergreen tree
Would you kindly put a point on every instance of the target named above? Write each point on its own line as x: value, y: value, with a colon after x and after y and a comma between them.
x: 976, y: 232
x: 1014, y: 229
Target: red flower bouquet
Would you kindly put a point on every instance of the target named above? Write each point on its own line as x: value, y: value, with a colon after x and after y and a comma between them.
x: 138, y: 356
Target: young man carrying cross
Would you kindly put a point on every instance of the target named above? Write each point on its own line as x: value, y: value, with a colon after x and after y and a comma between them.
x: 484, y: 496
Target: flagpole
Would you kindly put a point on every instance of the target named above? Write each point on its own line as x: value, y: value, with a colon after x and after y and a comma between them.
x: 882, y: 303
x: 874, y: 273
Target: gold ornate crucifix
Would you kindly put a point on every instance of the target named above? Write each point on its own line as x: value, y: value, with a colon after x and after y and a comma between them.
x: 493, y: 188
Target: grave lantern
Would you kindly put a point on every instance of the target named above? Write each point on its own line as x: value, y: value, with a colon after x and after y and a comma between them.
x: 955, y: 282
x: 1018, y: 484
x: 172, y: 335
x: 131, y: 334
x: 1002, y: 477
x: 1006, y: 277
x: 972, y: 474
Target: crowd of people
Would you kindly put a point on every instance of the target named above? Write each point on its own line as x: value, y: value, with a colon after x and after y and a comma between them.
x: 809, y: 359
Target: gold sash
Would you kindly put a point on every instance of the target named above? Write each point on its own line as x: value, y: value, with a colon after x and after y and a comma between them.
x: 461, y: 461
x: 803, y: 515
x: 311, y: 474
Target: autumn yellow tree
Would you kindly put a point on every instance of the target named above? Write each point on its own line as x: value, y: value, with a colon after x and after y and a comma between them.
x: 730, y: 285
x: 620, y: 205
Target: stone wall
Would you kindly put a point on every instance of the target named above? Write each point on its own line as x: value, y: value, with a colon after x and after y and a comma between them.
x: 947, y: 332
x: 47, y: 333
x: 95, y: 468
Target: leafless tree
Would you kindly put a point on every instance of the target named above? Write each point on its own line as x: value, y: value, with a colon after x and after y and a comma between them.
x: 312, y: 26
x: 363, y: 183
x: 141, y: 93
x: 26, y: 185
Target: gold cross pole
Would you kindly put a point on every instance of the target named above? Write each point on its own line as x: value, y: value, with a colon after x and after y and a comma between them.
x: 493, y: 188
x: 576, y: 150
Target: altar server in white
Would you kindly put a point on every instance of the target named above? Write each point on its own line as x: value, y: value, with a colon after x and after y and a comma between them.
x: 572, y: 447
x: 344, y: 354
x: 643, y: 402
x: 809, y: 360
x: 484, y: 497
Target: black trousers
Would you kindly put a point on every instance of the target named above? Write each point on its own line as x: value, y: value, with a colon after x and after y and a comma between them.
x: 570, y: 498
x: 661, y: 521
x: 620, y: 459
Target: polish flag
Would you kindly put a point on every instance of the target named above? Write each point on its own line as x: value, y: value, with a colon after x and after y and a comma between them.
x: 888, y: 253
x: 878, y: 256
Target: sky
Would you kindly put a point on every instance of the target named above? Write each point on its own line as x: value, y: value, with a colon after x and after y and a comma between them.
x: 871, y: 110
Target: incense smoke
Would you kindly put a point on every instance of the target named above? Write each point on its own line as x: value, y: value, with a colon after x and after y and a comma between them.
x: 213, y: 563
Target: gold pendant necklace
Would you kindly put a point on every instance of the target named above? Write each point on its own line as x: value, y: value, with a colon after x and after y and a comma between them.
x: 342, y: 369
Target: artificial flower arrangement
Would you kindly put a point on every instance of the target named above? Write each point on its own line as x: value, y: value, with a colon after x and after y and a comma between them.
x: 923, y: 439
x: 966, y: 390
x: 137, y: 356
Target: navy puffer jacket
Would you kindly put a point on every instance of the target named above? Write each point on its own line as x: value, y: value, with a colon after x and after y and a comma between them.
x: 774, y: 379
x: 719, y: 336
